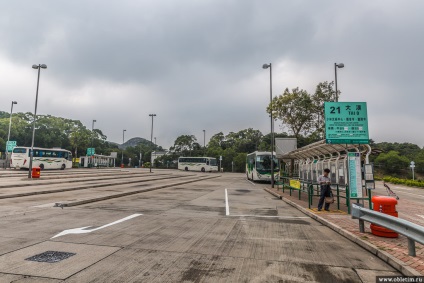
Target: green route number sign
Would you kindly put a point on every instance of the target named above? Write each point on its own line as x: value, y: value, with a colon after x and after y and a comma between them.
x: 90, y: 151
x: 346, y: 123
x: 10, y: 145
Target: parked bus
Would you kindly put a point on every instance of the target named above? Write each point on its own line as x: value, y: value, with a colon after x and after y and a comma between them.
x: 258, y: 166
x: 45, y: 158
x: 203, y: 164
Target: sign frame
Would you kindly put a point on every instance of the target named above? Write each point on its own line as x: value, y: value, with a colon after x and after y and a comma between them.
x: 355, y: 175
x: 10, y: 145
x: 346, y: 123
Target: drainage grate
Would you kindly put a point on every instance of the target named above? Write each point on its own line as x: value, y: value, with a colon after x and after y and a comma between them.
x: 50, y: 256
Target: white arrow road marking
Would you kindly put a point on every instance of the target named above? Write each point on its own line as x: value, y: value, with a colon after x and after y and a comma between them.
x: 83, y: 231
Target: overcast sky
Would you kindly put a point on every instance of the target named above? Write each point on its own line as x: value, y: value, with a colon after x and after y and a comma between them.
x: 197, y: 64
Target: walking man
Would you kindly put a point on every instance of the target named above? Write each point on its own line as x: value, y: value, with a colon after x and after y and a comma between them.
x: 324, y: 182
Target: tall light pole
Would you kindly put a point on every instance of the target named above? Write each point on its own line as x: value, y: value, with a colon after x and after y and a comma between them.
x: 123, y: 141
x: 37, y: 67
x: 266, y: 66
x: 92, y: 130
x: 139, y: 161
x: 8, y: 135
x: 204, y: 142
x: 155, y: 150
x: 151, y: 141
x: 340, y: 65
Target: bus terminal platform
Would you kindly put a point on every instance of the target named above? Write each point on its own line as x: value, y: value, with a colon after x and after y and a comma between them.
x: 392, y: 250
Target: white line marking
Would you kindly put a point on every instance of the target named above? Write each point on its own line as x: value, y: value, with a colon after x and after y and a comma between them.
x: 273, y: 216
x: 46, y: 205
x: 415, y: 195
x: 82, y: 230
x: 251, y: 182
x: 227, y: 208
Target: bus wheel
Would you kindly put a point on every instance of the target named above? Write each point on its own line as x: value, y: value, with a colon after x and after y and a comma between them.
x: 203, y: 169
x: 41, y: 166
x: 63, y: 167
x: 186, y: 169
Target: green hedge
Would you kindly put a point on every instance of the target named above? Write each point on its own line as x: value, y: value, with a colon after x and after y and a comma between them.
x: 410, y: 183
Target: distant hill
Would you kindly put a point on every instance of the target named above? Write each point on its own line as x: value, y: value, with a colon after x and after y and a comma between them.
x: 134, y: 142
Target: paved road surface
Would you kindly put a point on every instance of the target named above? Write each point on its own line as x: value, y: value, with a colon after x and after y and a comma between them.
x: 186, y: 233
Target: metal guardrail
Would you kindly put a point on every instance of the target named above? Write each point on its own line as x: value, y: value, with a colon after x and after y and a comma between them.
x: 414, y: 232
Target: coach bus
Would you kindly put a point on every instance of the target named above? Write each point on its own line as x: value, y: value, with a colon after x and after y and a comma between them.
x: 203, y: 164
x: 45, y: 158
x: 258, y: 166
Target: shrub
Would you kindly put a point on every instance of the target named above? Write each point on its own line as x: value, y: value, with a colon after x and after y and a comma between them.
x: 407, y: 182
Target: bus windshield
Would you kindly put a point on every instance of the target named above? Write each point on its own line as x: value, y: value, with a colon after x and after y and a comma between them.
x: 213, y: 162
x: 263, y: 162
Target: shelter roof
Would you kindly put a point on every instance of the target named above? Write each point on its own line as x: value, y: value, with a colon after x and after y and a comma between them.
x: 319, y: 148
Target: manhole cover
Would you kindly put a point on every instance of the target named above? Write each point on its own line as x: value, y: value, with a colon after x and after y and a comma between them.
x: 50, y: 256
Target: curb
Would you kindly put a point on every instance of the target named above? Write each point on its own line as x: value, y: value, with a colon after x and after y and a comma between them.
x: 36, y: 182
x: 385, y: 256
x: 84, y: 187
x: 81, y: 202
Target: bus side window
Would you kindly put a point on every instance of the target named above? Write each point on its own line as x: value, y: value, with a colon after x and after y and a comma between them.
x: 207, y: 162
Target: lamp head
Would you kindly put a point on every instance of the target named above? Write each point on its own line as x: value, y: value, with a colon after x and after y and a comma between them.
x: 340, y: 65
x: 14, y: 102
x: 266, y: 66
x: 43, y: 66
x: 35, y: 66
x: 125, y: 130
x: 94, y: 121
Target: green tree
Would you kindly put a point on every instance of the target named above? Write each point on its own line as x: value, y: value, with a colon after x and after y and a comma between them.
x: 184, y: 144
x: 392, y: 161
x: 323, y: 93
x: 295, y: 110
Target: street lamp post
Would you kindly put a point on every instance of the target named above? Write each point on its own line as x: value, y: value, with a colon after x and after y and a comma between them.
x: 8, y: 135
x: 204, y: 142
x: 151, y: 141
x: 340, y: 65
x: 92, y: 130
x: 123, y: 141
x: 139, y: 161
x: 37, y: 67
x: 266, y: 66
x: 155, y: 150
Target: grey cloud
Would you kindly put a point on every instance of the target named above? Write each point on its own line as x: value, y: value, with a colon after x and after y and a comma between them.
x: 197, y: 64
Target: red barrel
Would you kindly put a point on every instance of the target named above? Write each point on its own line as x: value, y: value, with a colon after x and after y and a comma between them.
x: 385, y: 205
x: 36, y: 171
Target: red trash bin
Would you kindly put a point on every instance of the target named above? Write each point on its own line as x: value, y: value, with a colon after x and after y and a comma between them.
x: 122, y: 165
x: 385, y: 205
x: 36, y: 171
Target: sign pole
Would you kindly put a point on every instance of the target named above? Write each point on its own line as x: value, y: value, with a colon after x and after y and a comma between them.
x: 412, y: 168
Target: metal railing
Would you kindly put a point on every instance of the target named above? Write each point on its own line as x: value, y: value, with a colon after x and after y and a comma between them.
x: 414, y: 232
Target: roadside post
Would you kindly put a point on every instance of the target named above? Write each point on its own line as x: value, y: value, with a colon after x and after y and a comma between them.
x: 220, y: 167
x: 10, y: 145
x: 412, y: 168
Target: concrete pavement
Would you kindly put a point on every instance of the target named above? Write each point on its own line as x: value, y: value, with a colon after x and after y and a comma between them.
x: 186, y: 233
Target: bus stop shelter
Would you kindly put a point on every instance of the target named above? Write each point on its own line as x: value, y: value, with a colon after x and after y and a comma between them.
x: 307, y: 163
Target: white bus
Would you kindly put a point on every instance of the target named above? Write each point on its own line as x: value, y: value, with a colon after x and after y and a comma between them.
x: 45, y: 158
x: 203, y: 164
x: 258, y: 166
